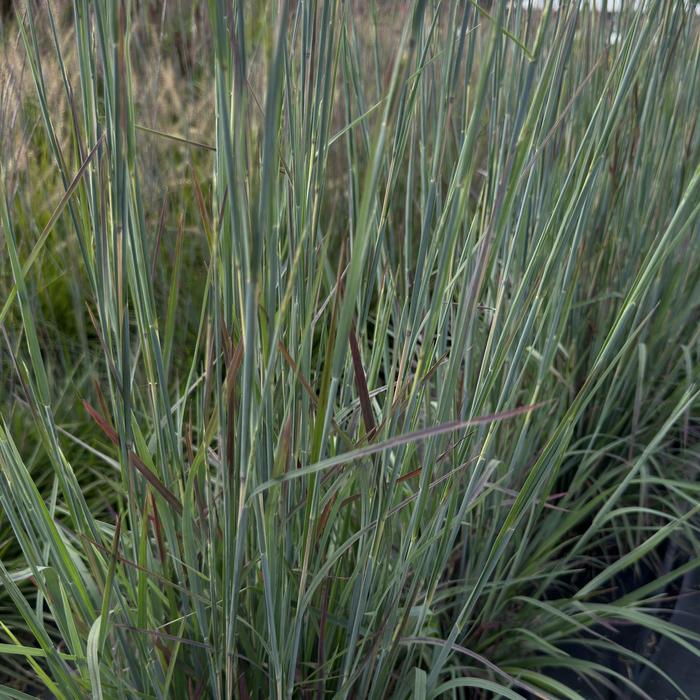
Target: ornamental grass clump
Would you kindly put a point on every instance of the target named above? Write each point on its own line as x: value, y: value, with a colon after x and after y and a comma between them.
x: 391, y: 392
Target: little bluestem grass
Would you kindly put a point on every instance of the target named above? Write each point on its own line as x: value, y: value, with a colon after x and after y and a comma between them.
x: 387, y: 397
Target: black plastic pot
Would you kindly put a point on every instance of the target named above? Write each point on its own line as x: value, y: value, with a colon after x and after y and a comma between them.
x: 680, y: 664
